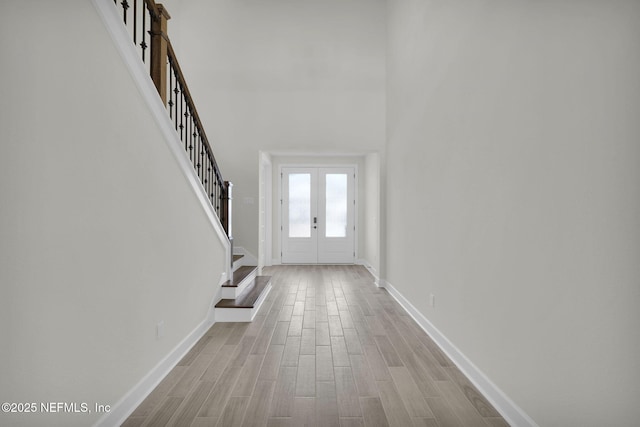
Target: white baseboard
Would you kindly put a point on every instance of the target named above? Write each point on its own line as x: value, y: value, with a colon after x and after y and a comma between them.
x: 512, y: 413
x: 130, y: 401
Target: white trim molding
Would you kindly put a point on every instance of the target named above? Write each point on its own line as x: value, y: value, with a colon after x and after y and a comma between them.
x: 511, y: 412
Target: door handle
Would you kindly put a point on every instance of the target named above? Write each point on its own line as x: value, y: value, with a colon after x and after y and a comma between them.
x: 315, y: 221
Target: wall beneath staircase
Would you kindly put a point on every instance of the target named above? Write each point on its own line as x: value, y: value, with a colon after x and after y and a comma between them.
x: 101, y: 235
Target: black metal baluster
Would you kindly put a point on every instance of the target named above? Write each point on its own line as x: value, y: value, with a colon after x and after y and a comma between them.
x: 221, y: 214
x: 215, y: 196
x: 125, y: 6
x: 200, y: 164
x: 207, y: 180
x: 219, y: 198
x: 143, y: 44
x: 187, y: 134
x: 194, y: 151
x: 195, y: 128
x: 213, y: 187
x: 193, y: 148
x: 211, y: 182
x: 206, y: 175
x: 170, y: 103
x: 199, y: 152
x: 191, y: 135
x: 191, y: 143
x: 135, y: 22
x: 175, y: 115
x: 181, y: 112
x: 195, y: 154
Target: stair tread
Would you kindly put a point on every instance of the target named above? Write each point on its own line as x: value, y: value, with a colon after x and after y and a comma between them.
x: 239, y: 275
x: 249, y: 297
x: 237, y: 257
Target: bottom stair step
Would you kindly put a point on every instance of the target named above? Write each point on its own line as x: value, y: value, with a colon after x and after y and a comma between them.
x: 246, y: 305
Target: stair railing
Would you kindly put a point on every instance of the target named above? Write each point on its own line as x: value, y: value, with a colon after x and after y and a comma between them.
x: 147, y: 21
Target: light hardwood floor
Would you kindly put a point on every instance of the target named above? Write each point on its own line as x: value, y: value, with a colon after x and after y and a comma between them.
x: 328, y: 348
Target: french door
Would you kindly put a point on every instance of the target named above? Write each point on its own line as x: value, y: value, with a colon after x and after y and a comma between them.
x: 318, y: 207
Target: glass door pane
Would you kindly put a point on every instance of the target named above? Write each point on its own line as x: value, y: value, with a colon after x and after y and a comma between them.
x: 299, y: 205
x: 336, y: 205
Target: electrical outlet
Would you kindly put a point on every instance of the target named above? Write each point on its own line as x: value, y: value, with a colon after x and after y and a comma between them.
x: 160, y: 330
x: 432, y: 300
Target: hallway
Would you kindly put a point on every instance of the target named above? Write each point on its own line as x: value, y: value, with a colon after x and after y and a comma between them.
x: 328, y: 348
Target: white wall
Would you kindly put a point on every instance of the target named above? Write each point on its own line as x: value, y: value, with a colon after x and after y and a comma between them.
x: 513, y: 188
x: 282, y: 76
x: 101, y: 236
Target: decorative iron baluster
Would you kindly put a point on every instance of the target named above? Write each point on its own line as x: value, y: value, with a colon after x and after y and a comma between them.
x: 208, y: 178
x: 201, y: 162
x: 186, y: 119
x: 135, y: 22
x: 196, y: 157
x: 181, y: 112
x: 170, y: 103
x: 215, y: 190
x: 194, y: 135
x: 187, y: 127
x: 175, y: 107
x: 125, y: 6
x: 175, y: 115
x: 143, y: 43
x: 175, y: 118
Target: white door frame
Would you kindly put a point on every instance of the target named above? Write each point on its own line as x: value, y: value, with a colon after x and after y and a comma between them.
x: 265, y: 211
x: 280, y: 227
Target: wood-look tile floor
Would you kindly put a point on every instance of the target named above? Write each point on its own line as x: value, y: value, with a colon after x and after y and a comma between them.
x: 327, y: 348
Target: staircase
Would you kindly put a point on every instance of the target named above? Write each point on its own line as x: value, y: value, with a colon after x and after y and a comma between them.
x: 145, y: 22
x: 243, y: 294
